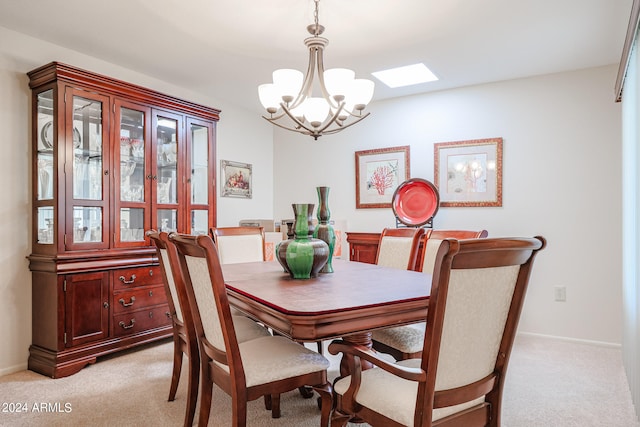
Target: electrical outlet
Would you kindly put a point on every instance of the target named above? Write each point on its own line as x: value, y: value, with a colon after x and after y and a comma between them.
x: 560, y: 293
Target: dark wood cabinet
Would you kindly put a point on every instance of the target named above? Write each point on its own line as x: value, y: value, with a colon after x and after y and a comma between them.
x: 110, y: 161
x: 363, y: 247
x: 86, y: 307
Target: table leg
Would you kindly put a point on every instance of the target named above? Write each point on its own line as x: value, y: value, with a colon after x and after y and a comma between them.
x: 363, y: 339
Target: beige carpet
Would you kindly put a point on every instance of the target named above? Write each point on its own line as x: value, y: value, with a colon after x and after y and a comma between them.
x: 550, y: 383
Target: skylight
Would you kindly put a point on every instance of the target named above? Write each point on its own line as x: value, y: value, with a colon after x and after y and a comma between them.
x: 405, y: 76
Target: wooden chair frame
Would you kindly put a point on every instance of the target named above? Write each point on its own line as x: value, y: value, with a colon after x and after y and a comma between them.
x: 445, y: 234
x: 184, y: 336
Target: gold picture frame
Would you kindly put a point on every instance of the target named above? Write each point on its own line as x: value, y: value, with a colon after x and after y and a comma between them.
x: 378, y: 174
x: 469, y: 173
x: 236, y: 179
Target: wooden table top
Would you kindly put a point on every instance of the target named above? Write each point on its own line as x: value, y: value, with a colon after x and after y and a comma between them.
x: 356, y: 298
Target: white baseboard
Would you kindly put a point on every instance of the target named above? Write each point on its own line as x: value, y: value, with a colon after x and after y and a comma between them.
x: 13, y: 369
x: 573, y: 340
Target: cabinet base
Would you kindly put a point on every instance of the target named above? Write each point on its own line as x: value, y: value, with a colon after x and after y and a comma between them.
x: 59, y: 364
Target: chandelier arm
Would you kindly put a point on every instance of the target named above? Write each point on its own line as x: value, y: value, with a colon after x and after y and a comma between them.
x: 323, y: 88
x: 278, y: 117
x: 333, y: 119
x: 295, y: 119
x: 355, y: 116
x: 343, y: 126
x: 305, y: 90
x: 304, y: 132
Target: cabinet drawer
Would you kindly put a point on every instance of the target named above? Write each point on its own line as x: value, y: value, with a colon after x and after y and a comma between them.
x: 141, y: 320
x: 136, y: 299
x: 129, y: 278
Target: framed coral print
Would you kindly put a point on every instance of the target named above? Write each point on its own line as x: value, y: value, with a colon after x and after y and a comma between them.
x: 378, y: 174
x: 236, y: 179
x: 469, y: 173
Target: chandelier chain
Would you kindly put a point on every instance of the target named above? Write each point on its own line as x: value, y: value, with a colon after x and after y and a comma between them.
x: 315, y: 18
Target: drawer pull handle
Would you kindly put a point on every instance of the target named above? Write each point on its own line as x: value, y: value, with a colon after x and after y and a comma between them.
x: 129, y: 326
x: 127, y: 282
x: 151, y: 315
x: 150, y: 293
x: 127, y: 304
x: 168, y: 314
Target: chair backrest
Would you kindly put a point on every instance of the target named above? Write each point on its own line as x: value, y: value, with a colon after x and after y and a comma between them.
x: 398, y: 247
x: 173, y: 298
x: 199, y: 265
x: 431, y: 243
x: 239, y: 244
x: 477, y: 294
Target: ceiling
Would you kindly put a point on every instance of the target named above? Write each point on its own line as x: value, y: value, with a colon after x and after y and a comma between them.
x: 226, y: 48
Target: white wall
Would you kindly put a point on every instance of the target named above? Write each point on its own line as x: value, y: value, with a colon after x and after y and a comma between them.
x: 242, y: 136
x: 561, y: 179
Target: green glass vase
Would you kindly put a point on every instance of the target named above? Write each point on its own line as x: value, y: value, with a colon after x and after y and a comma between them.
x: 303, y: 256
x: 324, y: 230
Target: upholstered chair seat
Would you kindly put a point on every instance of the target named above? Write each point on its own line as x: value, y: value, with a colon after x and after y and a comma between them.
x: 393, y: 396
x: 276, y: 358
x: 407, y: 339
x: 247, y: 329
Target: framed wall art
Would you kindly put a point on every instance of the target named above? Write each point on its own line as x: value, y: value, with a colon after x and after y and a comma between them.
x: 378, y: 174
x: 469, y: 173
x: 236, y: 179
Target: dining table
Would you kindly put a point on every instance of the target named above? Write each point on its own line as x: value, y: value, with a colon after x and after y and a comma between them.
x: 346, y: 304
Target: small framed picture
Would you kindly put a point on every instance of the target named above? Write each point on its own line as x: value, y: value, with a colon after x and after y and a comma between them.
x: 469, y: 173
x: 236, y: 179
x: 378, y: 174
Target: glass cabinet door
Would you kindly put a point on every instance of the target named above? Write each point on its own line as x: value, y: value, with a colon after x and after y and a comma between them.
x: 85, y: 140
x: 132, y: 192
x: 200, y: 182
x: 45, y: 178
x: 165, y: 186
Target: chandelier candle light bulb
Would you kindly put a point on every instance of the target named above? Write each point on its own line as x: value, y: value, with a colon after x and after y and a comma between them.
x: 290, y: 95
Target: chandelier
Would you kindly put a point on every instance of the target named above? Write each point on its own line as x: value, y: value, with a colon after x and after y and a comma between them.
x: 290, y: 103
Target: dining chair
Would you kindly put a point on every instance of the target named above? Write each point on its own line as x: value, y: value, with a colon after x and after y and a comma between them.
x: 184, y: 333
x: 405, y: 342
x: 477, y: 292
x: 239, y: 244
x: 266, y: 366
x: 398, y: 247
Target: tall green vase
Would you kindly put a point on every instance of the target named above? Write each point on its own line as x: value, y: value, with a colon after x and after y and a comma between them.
x: 303, y: 256
x: 324, y: 230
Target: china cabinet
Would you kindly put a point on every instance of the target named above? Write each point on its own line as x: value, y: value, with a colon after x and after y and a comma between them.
x: 110, y: 161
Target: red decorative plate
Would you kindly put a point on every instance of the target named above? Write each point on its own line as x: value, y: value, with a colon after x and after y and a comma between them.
x: 415, y: 202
